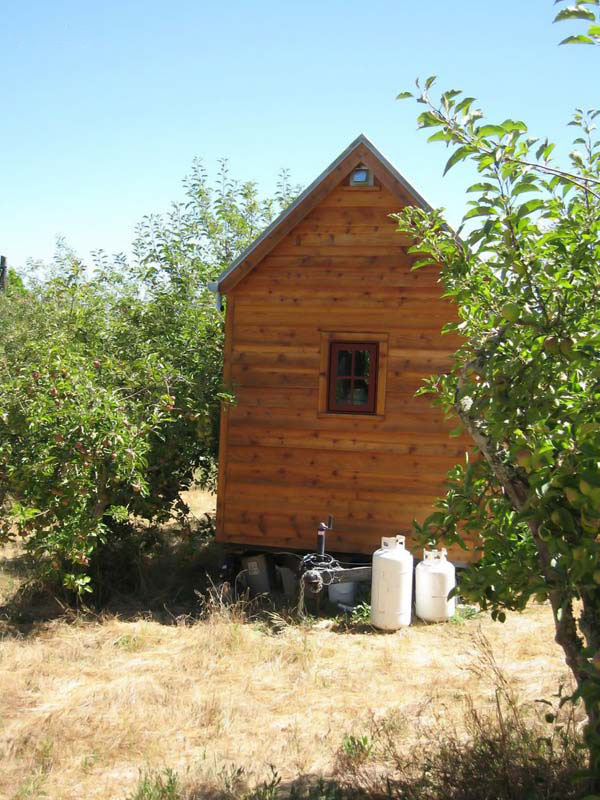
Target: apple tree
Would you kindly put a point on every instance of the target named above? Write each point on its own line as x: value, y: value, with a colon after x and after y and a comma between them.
x: 524, y: 271
x: 110, y: 384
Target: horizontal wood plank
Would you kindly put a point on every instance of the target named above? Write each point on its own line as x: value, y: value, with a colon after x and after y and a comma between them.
x: 358, y: 484
x: 326, y: 249
x: 412, y: 423
x: 351, y: 216
x: 339, y: 198
x: 328, y: 278
x: 306, y: 399
x: 411, y: 315
x: 314, y: 235
x: 386, y: 262
x: 401, y: 443
x: 372, y: 461
x: 414, y: 300
x: 299, y: 531
x: 307, y: 335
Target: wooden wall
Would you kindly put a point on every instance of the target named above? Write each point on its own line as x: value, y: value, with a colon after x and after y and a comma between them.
x: 283, y: 467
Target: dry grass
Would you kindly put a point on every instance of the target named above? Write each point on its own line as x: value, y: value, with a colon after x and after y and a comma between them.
x: 200, y: 502
x: 85, y: 705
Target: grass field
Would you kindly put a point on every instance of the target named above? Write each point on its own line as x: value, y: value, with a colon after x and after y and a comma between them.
x: 87, y: 703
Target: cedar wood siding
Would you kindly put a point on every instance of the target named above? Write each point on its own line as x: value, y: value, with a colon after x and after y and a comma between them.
x: 283, y: 466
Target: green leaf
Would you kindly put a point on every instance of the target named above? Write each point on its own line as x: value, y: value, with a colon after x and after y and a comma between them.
x: 451, y: 94
x: 464, y: 104
x: 428, y: 120
x: 479, y: 211
x: 580, y: 39
x: 404, y: 95
x: 423, y: 262
x: 440, y: 136
x: 511, y: 125
x: 574, y: 12
x: 529, y: 207
x: 459, y: 155
x: 542, y: 149
x: 430, y: 81
x: 522, y: 187
x: 491, y: 130
x: 482, y: 187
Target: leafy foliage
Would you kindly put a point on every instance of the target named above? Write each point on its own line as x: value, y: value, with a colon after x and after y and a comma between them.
x: 525, y: 384
x: 581, y: 10
x: 110, y: 383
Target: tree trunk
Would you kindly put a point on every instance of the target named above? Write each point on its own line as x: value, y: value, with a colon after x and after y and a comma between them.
x: 566, y: 627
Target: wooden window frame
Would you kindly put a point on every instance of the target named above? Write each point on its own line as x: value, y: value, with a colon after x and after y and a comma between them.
x: 353, y: 337
x: 368, y: 407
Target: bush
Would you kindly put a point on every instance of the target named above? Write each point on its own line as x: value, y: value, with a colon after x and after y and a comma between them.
x: 110, y: 384
x: 100, y: 417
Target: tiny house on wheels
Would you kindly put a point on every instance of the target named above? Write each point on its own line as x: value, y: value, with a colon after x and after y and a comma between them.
x: 329, y: 333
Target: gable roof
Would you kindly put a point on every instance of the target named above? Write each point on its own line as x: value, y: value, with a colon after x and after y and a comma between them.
x: 361, y: 150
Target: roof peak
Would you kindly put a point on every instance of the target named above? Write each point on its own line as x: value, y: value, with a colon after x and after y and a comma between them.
x: 295, y: 209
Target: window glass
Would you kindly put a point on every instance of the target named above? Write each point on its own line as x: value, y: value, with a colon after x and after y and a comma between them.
x: 344, y: 365
x: 360, y: 393
x: 362, y: 359
x: 343, y: 390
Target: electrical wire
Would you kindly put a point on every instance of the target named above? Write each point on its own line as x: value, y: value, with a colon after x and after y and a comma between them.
x: 235, y: 583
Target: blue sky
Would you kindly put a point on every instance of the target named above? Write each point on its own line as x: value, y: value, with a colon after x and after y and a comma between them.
x: 104, y: 105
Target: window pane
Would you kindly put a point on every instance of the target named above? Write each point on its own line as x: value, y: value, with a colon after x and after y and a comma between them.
x: 344, y: 365
x: 362, y: 363
x: 343, y: 391
x: 360, y: 393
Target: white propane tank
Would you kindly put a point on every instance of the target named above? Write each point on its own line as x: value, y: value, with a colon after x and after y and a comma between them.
x: 391, y: 587
x: 434, y: 578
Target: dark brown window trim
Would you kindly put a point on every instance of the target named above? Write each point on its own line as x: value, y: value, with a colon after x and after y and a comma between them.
x: 353, y: 377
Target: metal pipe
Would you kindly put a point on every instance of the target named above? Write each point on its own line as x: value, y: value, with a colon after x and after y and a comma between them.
x: 321, y: 539
x: 213, y: 286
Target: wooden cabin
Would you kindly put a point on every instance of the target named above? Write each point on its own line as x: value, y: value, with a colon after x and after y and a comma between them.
x: 329, y: 333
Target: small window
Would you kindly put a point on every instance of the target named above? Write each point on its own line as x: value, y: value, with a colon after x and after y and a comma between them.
x: 352, y: 374
x: 361, y: 176
x: 353, y: 377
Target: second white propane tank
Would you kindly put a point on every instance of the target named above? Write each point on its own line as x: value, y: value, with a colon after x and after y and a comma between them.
x: 391, y: 587
x: 434, y: 579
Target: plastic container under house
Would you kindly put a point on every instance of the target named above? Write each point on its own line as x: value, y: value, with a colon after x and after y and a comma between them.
x: 342, y: 593
x: 257, y: 574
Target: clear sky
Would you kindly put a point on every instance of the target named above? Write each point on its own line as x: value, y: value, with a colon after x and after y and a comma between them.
x: 104, y: 105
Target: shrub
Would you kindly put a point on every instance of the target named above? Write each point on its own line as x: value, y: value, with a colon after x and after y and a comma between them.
x: 101, y: 416
x: 110, y: 384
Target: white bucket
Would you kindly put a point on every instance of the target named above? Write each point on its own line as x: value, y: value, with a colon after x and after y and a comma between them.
x: 257, y: 574
x: 342, y: 593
